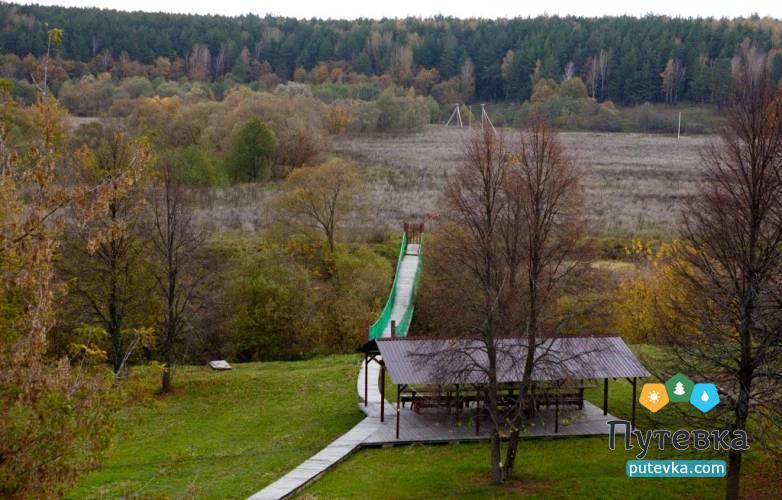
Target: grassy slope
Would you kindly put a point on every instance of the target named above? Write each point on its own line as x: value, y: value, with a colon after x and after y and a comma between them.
x: 226, y: 435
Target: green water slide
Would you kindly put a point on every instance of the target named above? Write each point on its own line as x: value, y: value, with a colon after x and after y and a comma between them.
x: 401, y: 300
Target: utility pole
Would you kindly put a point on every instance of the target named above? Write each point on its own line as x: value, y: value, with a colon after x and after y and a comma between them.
x: 679, y: 130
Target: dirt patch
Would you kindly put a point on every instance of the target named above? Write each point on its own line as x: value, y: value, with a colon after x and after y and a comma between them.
x: 522, y: 485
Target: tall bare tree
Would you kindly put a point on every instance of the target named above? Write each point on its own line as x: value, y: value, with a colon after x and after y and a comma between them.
x: 468, y: 259
x: 542, y: 237
x: 177, y: 244
x: 508, y: 241
x: 730, y: 263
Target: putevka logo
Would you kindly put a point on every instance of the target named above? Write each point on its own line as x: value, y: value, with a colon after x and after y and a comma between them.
x: 720, y: 440
x: 678, y: 389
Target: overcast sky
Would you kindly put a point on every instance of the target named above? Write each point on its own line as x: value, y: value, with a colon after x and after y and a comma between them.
x: 351, y: 9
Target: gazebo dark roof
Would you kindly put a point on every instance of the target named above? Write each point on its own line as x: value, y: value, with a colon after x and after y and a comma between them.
x: 415, y: 361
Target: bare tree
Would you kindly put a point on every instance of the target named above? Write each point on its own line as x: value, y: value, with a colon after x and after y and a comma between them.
x: 672, y: 79
x: 508, y: 244
x: 730, y: 263
x: 542, y: 237
x: 177, y: 244
x: 596, y: 70
x: 469, y: 259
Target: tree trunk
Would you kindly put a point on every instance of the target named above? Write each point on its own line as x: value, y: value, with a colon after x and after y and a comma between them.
x: 496, y: 453
x: 166, y: 381
x: 510, y: 455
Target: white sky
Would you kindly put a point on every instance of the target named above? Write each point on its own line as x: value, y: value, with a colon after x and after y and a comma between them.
x: 351, y: 9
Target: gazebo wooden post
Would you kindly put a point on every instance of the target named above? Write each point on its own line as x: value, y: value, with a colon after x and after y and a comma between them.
x: 398, y: 398
x: 393, y: 328
x: 458, y: 405
x: 556, y: 413
x: 632, y: 421
x: 366, y: 379
x: 605, y: 396
x: 478, y: 412
x: 382, y: 391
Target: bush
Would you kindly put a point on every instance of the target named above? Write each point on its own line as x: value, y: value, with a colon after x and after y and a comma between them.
x: 195, y: 166
x: 252, y: 153
x: 294, y: 297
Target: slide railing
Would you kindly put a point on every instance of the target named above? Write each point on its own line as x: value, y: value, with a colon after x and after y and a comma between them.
x: 404, y: 324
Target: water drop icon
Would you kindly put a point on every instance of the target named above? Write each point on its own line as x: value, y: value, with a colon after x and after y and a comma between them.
x: 704, y: 397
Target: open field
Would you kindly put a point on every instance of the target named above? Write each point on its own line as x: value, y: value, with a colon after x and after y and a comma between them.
x: 634, y: 183
x: 227, y: 434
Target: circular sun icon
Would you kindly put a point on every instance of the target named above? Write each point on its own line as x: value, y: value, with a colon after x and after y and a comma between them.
x: 654, y: 397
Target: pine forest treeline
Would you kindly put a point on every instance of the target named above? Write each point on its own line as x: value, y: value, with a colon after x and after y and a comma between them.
x: 626, y: 60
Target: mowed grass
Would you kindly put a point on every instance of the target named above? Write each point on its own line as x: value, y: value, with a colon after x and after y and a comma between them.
x: 572, y: 467
x: 228, y: 434
x: 546, y: 468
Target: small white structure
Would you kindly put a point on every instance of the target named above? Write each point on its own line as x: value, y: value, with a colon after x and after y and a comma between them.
x: 219, y: 364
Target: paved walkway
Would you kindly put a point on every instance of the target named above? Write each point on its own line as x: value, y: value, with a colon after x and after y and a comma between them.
x: 319, y: 463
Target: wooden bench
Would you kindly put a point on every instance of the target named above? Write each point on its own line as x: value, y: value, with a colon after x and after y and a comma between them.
x: 564, y: 397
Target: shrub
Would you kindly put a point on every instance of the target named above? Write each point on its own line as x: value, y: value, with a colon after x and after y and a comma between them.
x: 195, y: 166
x: 252, y: 153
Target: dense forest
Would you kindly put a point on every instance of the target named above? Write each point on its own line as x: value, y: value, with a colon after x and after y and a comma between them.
x: 626, y: 60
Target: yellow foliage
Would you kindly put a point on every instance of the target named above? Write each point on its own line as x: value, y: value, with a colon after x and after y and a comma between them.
x: 644, y: 303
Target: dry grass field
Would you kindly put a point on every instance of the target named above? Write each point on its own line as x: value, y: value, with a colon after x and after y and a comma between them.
x: 634, y: 183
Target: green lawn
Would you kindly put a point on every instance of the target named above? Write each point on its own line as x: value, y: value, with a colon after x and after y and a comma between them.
x: 228, y: 434
x: 547, y: 468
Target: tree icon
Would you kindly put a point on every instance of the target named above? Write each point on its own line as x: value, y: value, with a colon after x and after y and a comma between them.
x: 679, y: 390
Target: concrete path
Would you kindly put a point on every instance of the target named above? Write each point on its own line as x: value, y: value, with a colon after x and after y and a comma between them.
x: 319, y: 463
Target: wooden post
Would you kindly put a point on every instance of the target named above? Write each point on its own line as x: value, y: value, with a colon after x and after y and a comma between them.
x: 366, y: 379
x: 679, y: 130
x: 382, y: 391
x: 398, y: 397
x: 632, y: 421
x: 393, y: 328
x: 556, y: 413
x: 478, y: 415
x: 605, y: 396
x: 458, y: 405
